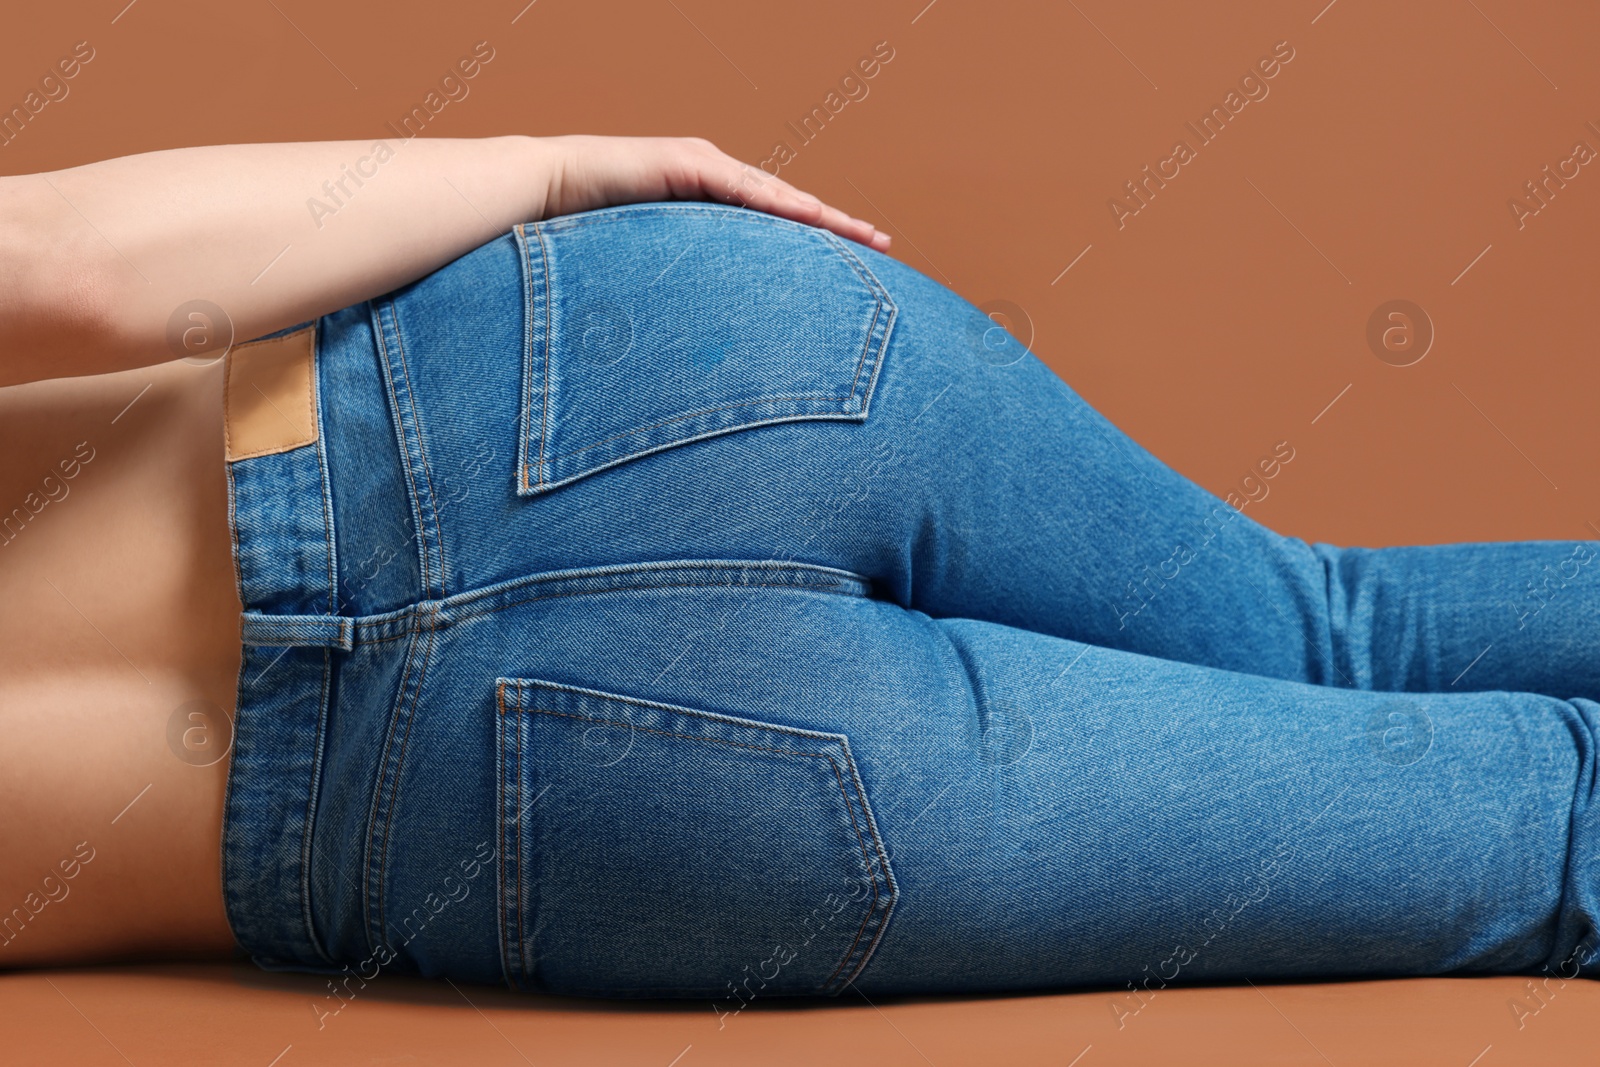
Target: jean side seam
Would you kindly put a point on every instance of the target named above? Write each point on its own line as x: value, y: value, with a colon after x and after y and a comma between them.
x: 311, y: 809
x: 325, y: 693
x: 375, y: 806
x: 422, y: 452
x: 399, y: 770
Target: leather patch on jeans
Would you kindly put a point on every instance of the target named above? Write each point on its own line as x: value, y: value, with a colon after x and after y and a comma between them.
x: 268, y: 396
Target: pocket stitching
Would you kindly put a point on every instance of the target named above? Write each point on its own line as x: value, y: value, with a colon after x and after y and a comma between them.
x: 539, y: 481
x: 833, y: 763
x: 870, y: 280
x: 707, y: 411
x: 532, y: 295
x: 509, y: 851
x: 850, y: 954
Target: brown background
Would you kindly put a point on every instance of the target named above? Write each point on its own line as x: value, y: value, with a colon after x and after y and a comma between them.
x: 1223, y: 318
x: 1220, y: 320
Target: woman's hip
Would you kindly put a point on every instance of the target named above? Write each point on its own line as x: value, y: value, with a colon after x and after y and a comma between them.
x: 537, y: 506
x: 579, y: 654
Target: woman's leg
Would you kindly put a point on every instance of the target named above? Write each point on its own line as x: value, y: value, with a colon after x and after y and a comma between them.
x: 732, y: 788
x: 1025, y: 506
x: 618, y: 714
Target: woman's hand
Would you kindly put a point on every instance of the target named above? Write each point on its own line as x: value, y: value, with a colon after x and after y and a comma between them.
x: 589, y: 172
x: 102, y: 267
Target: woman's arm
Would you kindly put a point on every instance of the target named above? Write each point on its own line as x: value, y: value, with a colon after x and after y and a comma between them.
x: 95, y: 260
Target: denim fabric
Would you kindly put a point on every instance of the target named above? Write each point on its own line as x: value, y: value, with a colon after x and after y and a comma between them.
x: 681, y: 601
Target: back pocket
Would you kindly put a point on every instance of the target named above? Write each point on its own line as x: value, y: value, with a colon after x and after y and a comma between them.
x: 652, y: 325
x: 654, y: 850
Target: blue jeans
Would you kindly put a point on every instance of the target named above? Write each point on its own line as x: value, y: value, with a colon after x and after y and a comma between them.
x: 673, y: 600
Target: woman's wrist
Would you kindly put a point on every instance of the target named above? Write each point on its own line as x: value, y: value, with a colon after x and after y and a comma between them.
x: 270, y: 235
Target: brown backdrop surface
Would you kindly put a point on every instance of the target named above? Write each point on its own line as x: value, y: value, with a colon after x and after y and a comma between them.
x: 1226, y: 315
x: 1383, y: 162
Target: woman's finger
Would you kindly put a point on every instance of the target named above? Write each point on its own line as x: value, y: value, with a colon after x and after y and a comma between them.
x: 733, y: 181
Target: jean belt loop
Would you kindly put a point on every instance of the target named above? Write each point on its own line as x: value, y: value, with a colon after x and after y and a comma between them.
x: 308, y: 631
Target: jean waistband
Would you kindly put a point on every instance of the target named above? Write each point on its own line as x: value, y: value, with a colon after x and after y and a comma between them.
x: 284, y: 553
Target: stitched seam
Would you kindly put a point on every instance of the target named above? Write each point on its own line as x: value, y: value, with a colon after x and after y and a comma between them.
x: 874, y: 289
x: 233, y: 526
x: 888, y: 875
x: 569, y: 224
x: 323, y: 477
x: 670, y: 733
x: 398, y: 383
x: 227, y: 392
x: 422, y: 453
x: 591, y: 694
x: 620, y: 589
x: 811, y: 572
x: 503, y: 737
x: 544, y: 418
x: 311, y: 806
x: 885, y: 303
x: 399, y: 769
x: 501, y: 931
x: 692, y: 414
x: 524, y: 429
x: 522, y: 940
x: 327, y: 658
x: 883, y: 859
x: 311, y: 385
x: 269, y: 451
x: 378, y: 789
x: 832, y: 762
x: 807, y: 576
x: 877, y: 311
x: 872, y: 908
x: 405, y: 451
